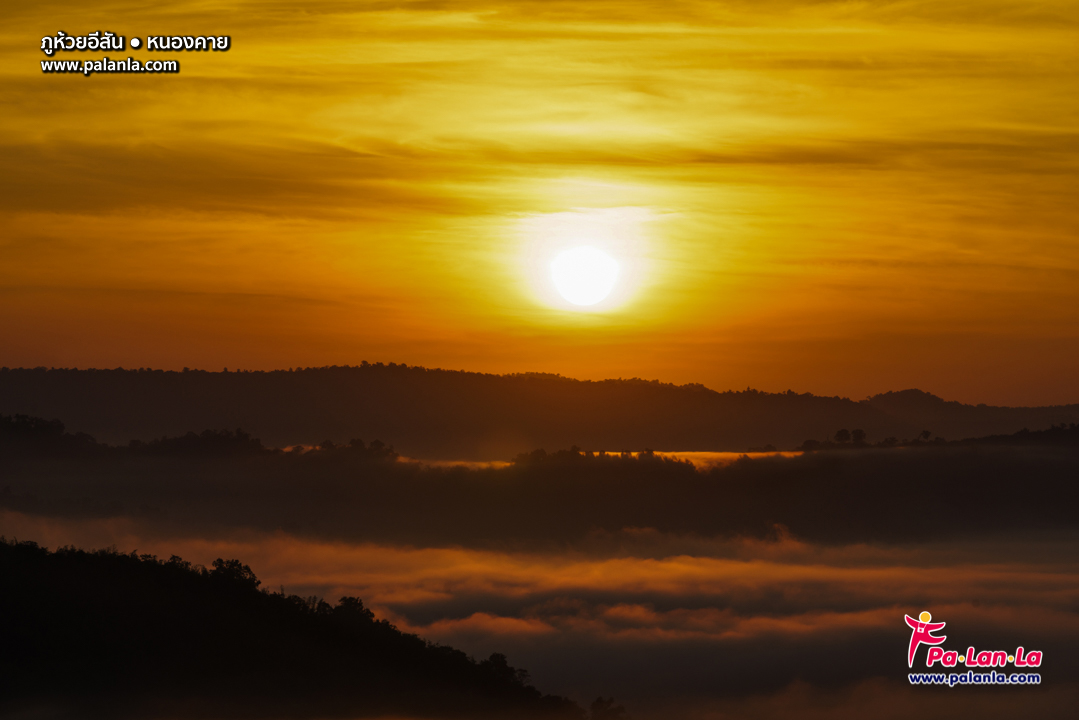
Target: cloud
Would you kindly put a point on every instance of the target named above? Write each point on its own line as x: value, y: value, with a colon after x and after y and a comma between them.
x: 757, y: 590
x: 747, y: 629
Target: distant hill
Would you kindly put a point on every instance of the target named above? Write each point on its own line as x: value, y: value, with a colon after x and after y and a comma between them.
x: 428, y: 413
x: 954, y: 420
x: 219, y: 481
x: 103, y: 634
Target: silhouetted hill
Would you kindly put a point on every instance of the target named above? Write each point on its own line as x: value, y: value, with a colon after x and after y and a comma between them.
x: 363, y: 492
x: 461, y: 415
x: 102, y: 634
x: 954, y: 420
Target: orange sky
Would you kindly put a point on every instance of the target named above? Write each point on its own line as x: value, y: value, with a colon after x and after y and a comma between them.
x: 842, y: 198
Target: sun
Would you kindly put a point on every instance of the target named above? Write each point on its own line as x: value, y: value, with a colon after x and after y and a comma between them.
x: 589, y: 262
x: 584, y: 275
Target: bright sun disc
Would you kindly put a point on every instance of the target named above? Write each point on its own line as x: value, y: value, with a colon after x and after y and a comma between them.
x: 584, y: 275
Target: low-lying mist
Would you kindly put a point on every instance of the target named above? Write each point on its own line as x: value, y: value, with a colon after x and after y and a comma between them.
x: 359, y: 493
x: 755, y: 588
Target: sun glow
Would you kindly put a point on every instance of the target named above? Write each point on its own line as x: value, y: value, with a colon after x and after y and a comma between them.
x: 584, y: 275
x: 586, y: 260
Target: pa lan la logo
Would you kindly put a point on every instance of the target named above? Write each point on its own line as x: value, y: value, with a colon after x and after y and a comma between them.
x: 922, y: 631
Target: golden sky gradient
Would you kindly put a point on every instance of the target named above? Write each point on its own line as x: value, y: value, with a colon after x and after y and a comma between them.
x: 835, y: 197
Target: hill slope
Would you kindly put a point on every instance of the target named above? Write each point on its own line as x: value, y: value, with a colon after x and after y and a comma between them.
x: 106, y: 634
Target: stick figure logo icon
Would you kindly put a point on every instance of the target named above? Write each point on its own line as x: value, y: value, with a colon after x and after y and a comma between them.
x: 921, y: 633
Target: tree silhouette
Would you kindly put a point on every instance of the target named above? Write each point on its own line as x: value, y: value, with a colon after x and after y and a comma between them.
x: 236, y: 572
x: 842, y: 436
x: 858, y: 436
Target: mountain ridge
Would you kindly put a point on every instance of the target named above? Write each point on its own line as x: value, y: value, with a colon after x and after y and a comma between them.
x: 456, y: 414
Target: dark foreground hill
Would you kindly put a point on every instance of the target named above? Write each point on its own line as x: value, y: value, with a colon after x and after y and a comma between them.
x: 102, y: 634
x: 460, y: 415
